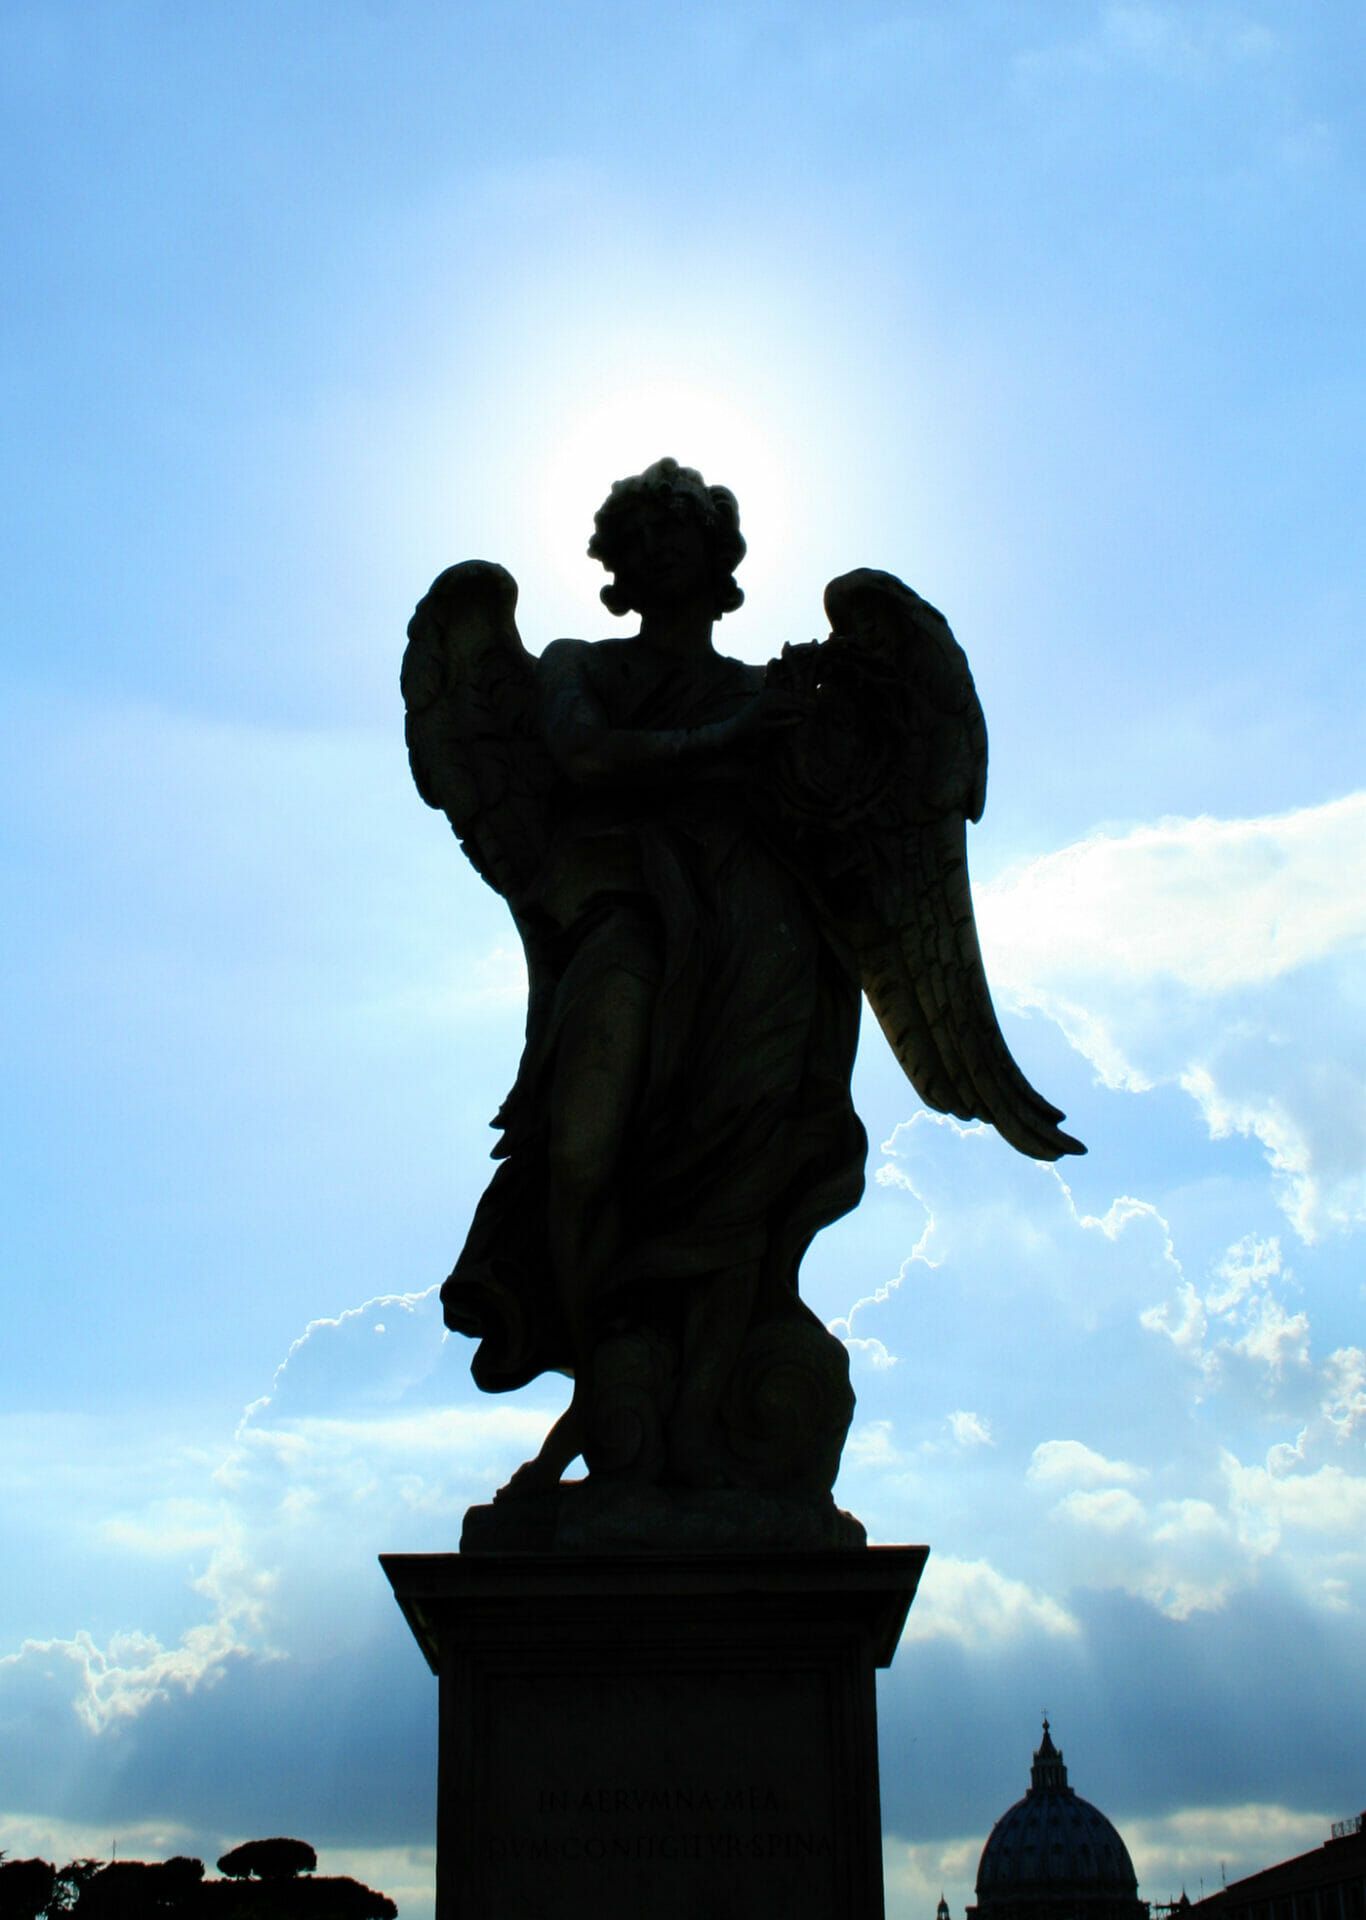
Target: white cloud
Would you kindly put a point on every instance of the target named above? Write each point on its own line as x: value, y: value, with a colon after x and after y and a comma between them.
x: 1108, y: 1508
x: 433, y: 1460
x: 1064, y: 1462
x: 843, y: 1324
x: 1266, y: 1504
x: 1181, y: 954
x: 916, y: 1873
x: 871, y: 1445
x: 350, y: 1443
x: 1180, y: 1556
x: 874, y: 1351
x: 1289, y: 1152
x: 1189, y: 1519
x: 1241, y: 1309
x: 1344, y: 1403
x: 970, y: 1602
x: 42, y: 1836
x: 1275, y: 1337
x: 165, y: 1528
x: 1212, y: 904
x: 117, y: 1681
x: 406, y: 1874
x: 970, y: 1429
x: 1138, y: 1498
x: 1189, y: 1847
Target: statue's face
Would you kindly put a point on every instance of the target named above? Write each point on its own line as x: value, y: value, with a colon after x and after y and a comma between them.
x: 664, y: 554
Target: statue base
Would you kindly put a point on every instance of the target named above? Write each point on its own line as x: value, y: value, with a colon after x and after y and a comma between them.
x: 614, y: 1516
x: 658, y: 1734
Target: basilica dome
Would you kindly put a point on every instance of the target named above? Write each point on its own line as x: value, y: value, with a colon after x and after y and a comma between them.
x: 1053, y: 1856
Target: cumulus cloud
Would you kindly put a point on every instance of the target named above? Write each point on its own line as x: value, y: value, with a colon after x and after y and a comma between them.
x: 870, y: 1346
x: 970, y: 1429
x: 1190, y: 1553
x: 113, y: 1683
x: 1218, y: 956
x: 1070, y: 1462
x: 989, y: 1211
x: 871, y: 1445
x: 916, y: 1873
x: 1211, y: 904
x: 1266, y: 1504
x: 969, y: 1601
x: 1240, y: 1314
x: 1109, y: 1508
x: 1135, y: 1490
x: 1185, y: 1849
x: 354, y: 1445
x: 1344, y: 1402
x: 49, y: 1837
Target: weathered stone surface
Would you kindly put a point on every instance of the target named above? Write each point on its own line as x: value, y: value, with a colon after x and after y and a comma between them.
x: 588, y: 1516
x: 662, y: 1736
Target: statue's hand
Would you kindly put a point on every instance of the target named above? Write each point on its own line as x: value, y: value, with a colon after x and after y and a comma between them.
x: 772, y: 710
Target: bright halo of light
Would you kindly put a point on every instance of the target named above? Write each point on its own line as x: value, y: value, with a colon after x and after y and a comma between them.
x: 699, y: 427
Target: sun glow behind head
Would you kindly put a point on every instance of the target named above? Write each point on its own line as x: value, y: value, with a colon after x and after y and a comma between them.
x: 583, y: 381
x: 601, y: 374
x: 701, y: 426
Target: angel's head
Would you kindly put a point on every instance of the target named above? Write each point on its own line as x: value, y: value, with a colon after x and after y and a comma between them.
x: 665, y: 535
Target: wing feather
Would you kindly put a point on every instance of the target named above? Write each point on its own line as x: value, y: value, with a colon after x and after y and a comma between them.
x: 469, y: 689
x: 914, y: 930
x: 928, y: 988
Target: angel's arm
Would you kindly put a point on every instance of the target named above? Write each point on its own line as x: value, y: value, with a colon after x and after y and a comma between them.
x: 591, y: 752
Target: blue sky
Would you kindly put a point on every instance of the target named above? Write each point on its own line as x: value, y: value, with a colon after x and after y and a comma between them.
x: 1054, y: 310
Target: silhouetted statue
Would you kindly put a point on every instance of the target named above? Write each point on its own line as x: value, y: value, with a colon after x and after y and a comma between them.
x: 708, y: 863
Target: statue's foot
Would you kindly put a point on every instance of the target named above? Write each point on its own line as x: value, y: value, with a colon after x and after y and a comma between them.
x: 543, y: 1472
x: 533, y: 1476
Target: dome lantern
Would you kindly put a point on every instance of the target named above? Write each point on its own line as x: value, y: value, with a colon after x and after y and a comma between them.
x: 1048, y: 1771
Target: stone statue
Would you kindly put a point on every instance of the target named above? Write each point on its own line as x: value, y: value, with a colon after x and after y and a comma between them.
x: 709, y: 864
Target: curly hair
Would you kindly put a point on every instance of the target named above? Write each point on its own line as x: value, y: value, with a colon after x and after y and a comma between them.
x: 679, y: 489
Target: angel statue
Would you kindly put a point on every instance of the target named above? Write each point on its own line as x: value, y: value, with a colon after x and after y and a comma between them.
x: 709, y: 864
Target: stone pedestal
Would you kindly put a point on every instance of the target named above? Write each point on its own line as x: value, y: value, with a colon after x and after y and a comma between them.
x: 658, y: 1736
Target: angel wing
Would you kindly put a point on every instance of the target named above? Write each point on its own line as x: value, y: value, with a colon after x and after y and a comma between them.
x: 469, y: 688
x: 899, y: 686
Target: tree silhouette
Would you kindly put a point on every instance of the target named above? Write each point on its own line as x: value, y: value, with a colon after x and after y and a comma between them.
x: 25, y: 1888
x: 130, y: 1889
x: 264, y: 1880
x: 268, y: 1859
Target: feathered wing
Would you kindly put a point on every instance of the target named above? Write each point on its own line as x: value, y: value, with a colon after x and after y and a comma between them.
x: 926, y: 983
x: 911, y: 923
x: 469, y: 687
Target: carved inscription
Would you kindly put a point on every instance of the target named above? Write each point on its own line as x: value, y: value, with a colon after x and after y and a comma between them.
x: 742, y: 1823
x: 709, y: 1790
